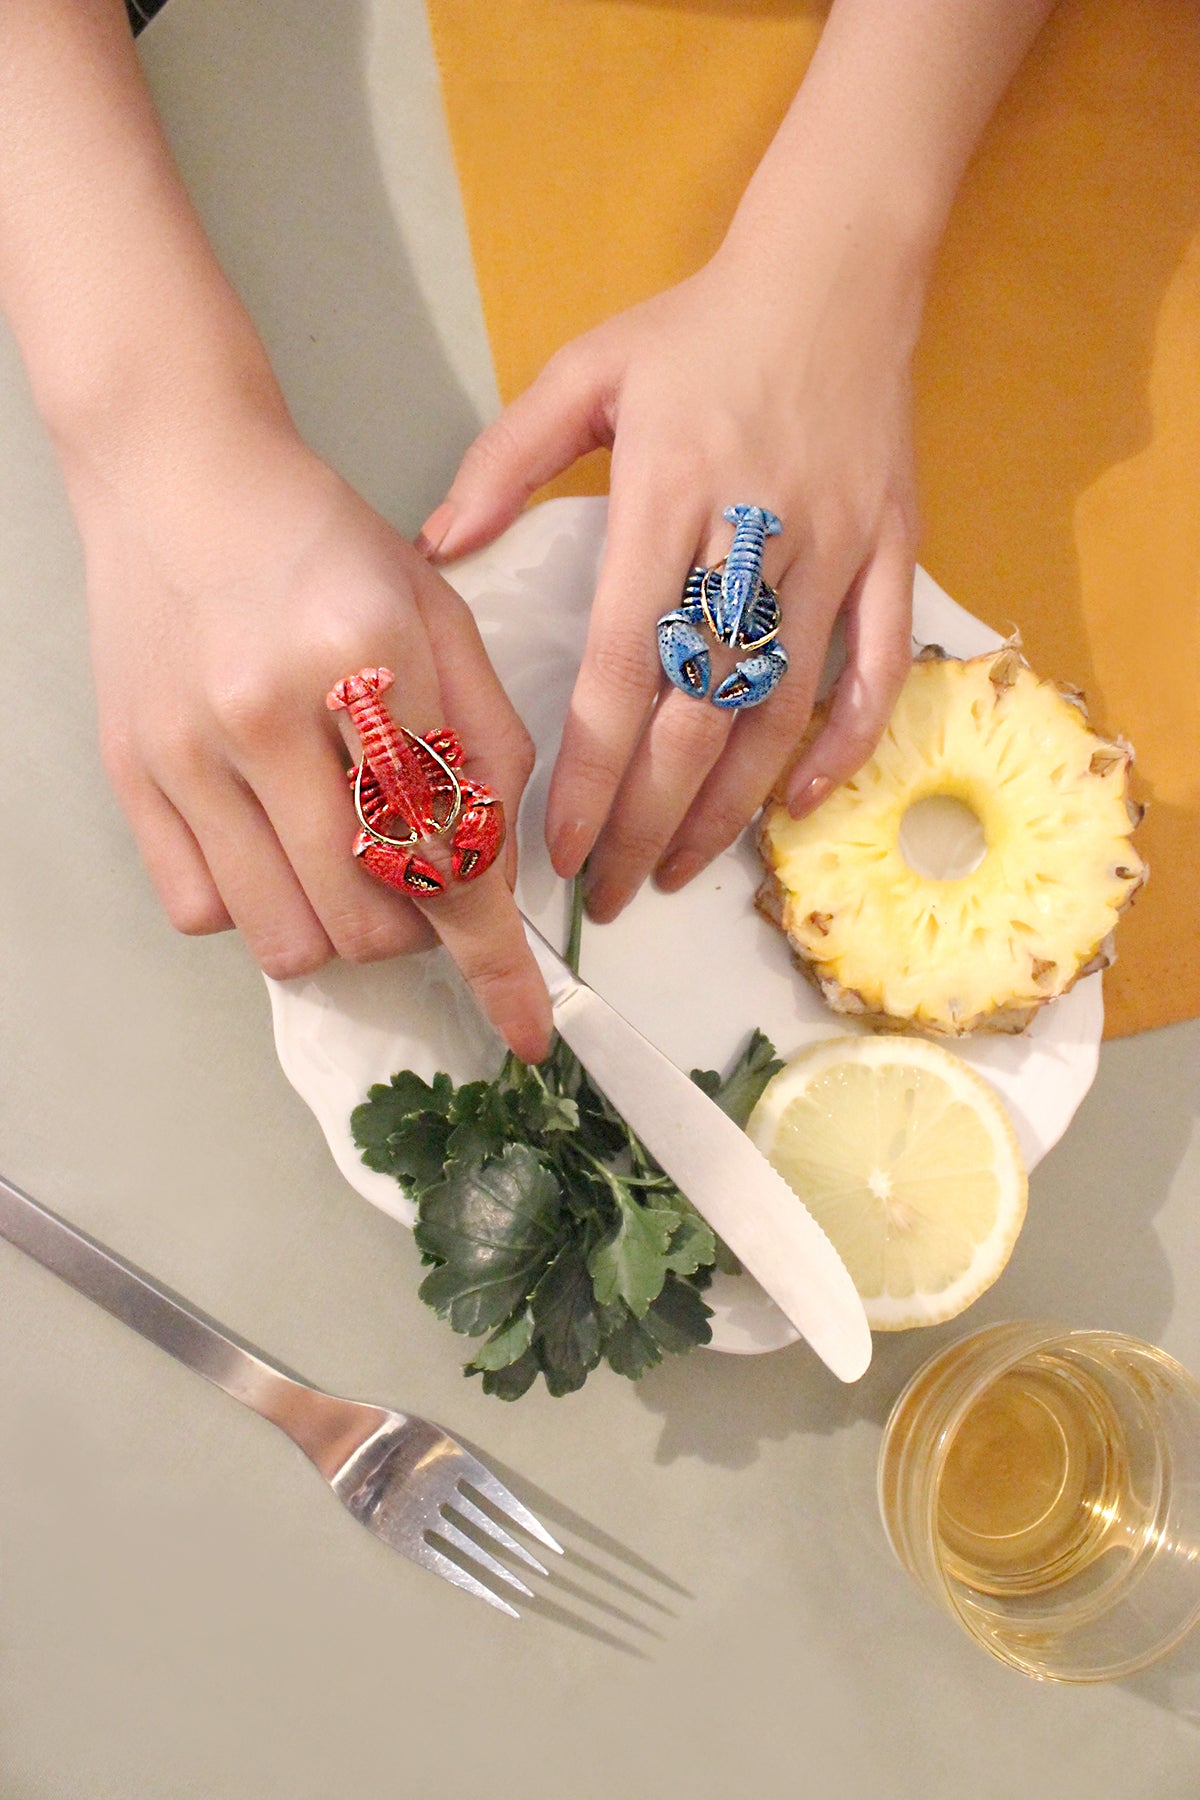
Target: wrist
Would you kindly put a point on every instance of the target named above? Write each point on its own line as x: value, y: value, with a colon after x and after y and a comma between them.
x: 141, y: 361
x: 846, y: 261
x: 146, y: 406
x: 825, y: 201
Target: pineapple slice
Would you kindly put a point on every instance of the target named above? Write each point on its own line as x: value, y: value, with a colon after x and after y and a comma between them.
x: 981, y: 951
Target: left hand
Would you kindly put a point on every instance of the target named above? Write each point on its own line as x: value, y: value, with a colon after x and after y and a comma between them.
x: 741, y: 385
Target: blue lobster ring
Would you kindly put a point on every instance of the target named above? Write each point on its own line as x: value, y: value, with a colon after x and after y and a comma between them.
x: 739, y: 609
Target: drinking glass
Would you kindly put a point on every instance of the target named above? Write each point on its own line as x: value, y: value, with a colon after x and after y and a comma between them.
x: 1042, y: 1484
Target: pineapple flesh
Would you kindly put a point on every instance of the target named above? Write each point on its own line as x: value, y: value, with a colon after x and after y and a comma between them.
x: 985, y: 950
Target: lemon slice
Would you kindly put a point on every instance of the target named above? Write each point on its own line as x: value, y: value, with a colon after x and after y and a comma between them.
x: 907, y: 1159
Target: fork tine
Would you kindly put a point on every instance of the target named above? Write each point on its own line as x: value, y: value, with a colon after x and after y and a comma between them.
x: 431, y: 1558
x: 454, y: 1534
x: 485, y: 1522
x: 493, y: 1489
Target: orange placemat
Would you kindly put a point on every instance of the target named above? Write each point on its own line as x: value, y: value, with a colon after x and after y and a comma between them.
x: 601, y: 146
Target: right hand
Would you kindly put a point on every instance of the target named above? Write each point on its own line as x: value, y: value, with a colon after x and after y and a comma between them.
x: 230, y: 585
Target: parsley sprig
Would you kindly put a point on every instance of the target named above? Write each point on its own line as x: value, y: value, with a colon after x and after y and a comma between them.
x: 550, y: 1230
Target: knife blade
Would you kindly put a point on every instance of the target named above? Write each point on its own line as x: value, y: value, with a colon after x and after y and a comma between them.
x: 711, y: 1160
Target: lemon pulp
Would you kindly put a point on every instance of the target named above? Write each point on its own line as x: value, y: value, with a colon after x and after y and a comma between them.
x: 907, y: 1160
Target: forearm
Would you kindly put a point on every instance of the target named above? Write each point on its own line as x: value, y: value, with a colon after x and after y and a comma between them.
x: 114, y: 296
x: 873, y: 149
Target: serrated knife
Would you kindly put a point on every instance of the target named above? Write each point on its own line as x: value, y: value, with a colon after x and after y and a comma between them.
x: 713, y: 1162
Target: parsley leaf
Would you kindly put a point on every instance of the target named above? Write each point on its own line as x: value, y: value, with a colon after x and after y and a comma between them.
x: 740, y: 1091
x: 632, y: 1264
x: 402, y: 1128
x: 506, y: 1345
x: 515, y: 1379
x: 676, y: 1321
x: 492, y: 1229
x: 566, y: 1323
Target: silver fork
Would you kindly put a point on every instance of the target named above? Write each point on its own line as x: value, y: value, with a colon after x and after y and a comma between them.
x: 404, y: 1478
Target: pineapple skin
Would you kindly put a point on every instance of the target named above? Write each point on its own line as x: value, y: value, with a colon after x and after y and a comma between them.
x: 903, y: 951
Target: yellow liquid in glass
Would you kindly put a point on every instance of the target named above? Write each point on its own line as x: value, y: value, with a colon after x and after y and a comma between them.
x: 1035, y: 1483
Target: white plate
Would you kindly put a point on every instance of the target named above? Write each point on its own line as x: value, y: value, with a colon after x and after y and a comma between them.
x: 696, y: 971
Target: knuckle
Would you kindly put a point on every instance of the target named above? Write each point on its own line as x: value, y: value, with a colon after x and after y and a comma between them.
x: 248, y: 712
x: 722, y: 823
x: 286, y: 962
x: 623, y: 661
x: 177, y: 751
x: 196, y: 914
x: 367, y: 940
x: 848, y: 744
x: 493, y: 451
x: 483, y: 935
x: 517, y: 752
x: 636, y: 847
x: 836, y: 529
x: 903, y: 523
x: 851, y: 751
x: 593, y: 775
x: 120, y: 759
x: 337, y: 648
x: 565, y: 367
x: 693, y: 735
x: 524, y: 754
x: 491, y: 973
x: 895, y: 662
x: 783, y: 729
x: 688, y: 470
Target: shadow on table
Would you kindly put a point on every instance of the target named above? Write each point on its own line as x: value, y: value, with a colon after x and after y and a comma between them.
x: 1173, y: 1685
x: 601, y: 1588
x: 1088, y: 1255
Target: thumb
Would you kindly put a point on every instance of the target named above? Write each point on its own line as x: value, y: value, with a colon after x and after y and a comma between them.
x: 565, y: 413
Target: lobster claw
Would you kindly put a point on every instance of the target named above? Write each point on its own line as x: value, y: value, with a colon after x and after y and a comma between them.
x: 752, y: 680
x: 684, y: 654
x: 479, y: 833
x: 400, y: 868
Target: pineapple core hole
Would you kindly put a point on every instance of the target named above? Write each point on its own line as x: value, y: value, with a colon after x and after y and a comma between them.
x: 941, y: 838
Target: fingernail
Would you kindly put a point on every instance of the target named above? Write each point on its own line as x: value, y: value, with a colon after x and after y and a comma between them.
x: 569, y: 847
x: 432, y: 537
x: 606, y: 900
x: 677, y: 869
x: 809, y: 796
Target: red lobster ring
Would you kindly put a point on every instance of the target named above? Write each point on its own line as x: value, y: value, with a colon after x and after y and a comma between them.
x: 408, y: 789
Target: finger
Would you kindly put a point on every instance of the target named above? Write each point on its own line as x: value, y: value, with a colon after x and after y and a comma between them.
x: 255, y: 880
x: 649, y: 552
x: 566, y: 412
x: 679, y: 747
x: 878, y: 621
x: 173, y: 860
x: 480, y: 926
x: 478, y: 921
x: 683, y: 740
x: 810, y: 594
x: 305, y: 793
x: 499, y: 751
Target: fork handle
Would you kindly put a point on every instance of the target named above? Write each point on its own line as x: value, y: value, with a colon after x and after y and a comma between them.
x: 177, y: 1327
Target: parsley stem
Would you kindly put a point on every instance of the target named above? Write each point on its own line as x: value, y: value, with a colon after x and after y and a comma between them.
x: 575, y: 934
x: 617, y: 1184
